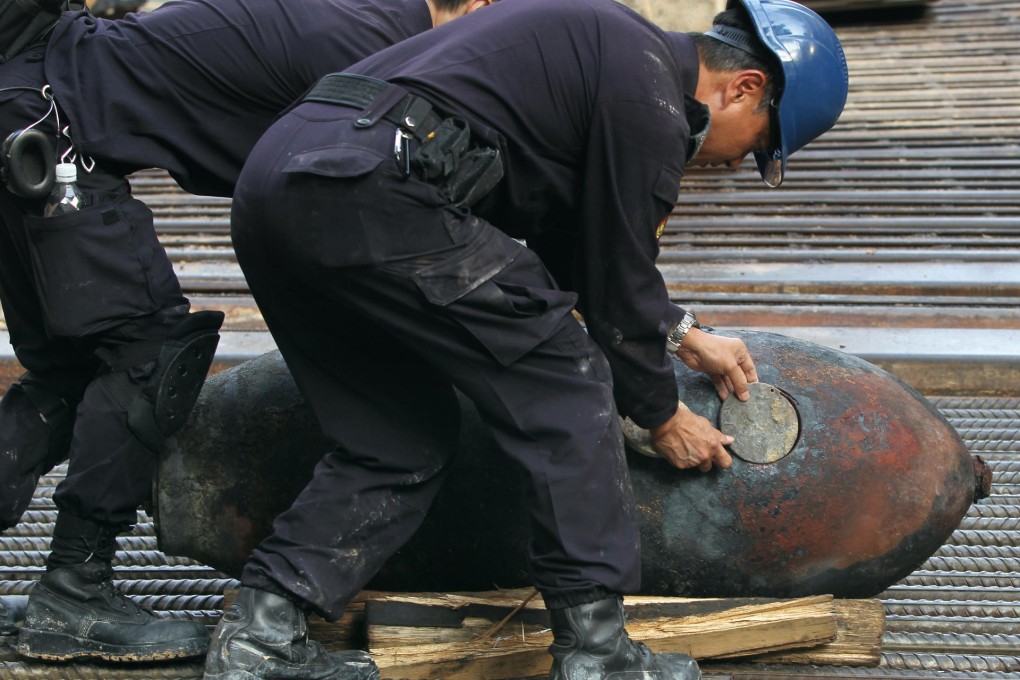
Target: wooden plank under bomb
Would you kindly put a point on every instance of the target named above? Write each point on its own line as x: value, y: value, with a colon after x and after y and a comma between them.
x: 452, y: 636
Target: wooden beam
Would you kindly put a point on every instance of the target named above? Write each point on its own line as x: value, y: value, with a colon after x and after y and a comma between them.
x: 465, y: 619
x: 431, y: 636
x: 860, y: 625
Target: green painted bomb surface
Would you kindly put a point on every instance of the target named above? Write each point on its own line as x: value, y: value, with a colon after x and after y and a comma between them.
x: 874, y: 483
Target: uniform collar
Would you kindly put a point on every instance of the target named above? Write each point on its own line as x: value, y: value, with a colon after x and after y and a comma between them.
x: 699, y: 120
x: 416, y: 17
x: 686, y: 55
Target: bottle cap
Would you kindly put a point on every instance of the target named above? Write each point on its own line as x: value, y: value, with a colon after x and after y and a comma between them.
x: 67, y: 172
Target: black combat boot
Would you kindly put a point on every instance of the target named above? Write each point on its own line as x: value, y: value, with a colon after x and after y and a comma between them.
x: 76, y: 611
x: 263, y: 635
x: 589, y: 643
x: 12, y: 611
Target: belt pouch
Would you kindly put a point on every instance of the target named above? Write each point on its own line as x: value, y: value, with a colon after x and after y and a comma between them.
x: 93, y: 268
x: 476, y: 176
x: 440, y: 153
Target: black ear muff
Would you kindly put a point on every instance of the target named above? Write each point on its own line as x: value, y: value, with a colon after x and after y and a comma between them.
x: 29, y: 163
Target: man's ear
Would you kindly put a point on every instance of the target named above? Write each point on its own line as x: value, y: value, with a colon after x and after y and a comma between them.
x: 747, y: 85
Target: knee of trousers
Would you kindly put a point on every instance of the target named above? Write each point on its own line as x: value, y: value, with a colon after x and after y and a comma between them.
x: 157, y: 382
x: 36, y: 423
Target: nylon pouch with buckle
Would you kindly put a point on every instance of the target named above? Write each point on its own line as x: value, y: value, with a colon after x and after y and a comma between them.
x: 476, y: 175
x: 440, y: 153
x: 444, y: 158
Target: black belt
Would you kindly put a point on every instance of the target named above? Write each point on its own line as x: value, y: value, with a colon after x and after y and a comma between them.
x: 377, y: 100
x: 445, y: 157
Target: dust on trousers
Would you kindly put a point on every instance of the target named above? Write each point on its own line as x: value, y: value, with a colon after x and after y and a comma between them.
x: 97, y: 318
x: 385, y: 300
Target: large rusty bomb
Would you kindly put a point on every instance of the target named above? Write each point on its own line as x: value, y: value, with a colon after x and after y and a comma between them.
x: 875, y: 482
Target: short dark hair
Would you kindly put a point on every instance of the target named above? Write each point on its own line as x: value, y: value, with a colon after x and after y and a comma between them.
x: 718, y: 56
x: 449, y: 5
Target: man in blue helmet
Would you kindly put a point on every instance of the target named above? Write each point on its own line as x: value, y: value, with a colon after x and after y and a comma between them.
x: 114, y: 356
x: 380, y: 225
x: 808, y: 89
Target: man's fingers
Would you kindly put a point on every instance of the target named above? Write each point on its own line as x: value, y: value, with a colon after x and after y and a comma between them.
x: 742, y: 374
x: 723, y: 460
x: 738, y: 380
x: 722, y: 385
x: 688, y: 440
x: 719, y: 456
x: 749, y: 369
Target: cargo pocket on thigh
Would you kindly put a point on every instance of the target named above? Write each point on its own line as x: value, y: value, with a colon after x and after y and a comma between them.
x: 92, y: 269
x: 355, y: 208
x: 499, y: 291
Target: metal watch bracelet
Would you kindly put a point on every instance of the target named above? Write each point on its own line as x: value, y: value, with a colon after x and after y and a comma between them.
x: 678, y: 331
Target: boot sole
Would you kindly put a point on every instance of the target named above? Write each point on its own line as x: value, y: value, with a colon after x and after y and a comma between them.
x: 50, y: 646
x: 348, y: 672
x: 245, y: 675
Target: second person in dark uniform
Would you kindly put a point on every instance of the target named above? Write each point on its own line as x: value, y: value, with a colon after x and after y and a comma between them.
x: 91, y: 301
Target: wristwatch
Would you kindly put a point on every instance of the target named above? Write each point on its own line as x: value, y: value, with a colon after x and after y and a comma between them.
x: 678, y: 331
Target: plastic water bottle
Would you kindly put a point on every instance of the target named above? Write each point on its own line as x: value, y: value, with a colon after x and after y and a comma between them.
x: 65, y: 197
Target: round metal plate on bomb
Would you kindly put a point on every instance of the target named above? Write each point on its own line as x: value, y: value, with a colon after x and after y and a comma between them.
x: 764, y: 428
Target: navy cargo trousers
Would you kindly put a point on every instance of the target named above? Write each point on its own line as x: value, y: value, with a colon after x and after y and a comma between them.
x: 383, y: 298
x: 71, y: 285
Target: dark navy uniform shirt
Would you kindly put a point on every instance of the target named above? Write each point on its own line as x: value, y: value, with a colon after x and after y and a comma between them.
x: 191, y: 86
x: 588, y: 104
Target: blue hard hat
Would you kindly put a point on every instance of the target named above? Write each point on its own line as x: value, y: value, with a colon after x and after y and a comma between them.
x: 814, y: 73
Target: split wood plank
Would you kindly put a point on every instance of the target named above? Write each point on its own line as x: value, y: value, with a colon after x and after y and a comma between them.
x: 428, y: 636
x: 860, y: 625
